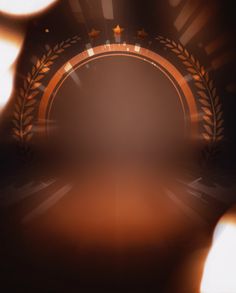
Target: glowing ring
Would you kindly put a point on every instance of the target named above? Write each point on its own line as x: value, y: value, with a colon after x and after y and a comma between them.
x: 155, y: 59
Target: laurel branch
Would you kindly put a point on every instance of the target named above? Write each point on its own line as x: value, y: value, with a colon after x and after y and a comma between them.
x: 26, y: 99
x: 206, y: 92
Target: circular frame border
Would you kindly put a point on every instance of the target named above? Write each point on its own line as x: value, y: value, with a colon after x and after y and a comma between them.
x: 135, y: 51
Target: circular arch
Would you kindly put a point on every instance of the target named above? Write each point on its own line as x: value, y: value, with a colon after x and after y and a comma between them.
x: 172, y: 73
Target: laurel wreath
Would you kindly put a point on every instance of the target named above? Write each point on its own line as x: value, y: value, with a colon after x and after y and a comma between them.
x: 209, y: 100
x: 206, y: 92
x: 26, y: 99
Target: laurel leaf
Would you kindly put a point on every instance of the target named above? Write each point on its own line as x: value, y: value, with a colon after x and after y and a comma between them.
x: 203, y: 71
x: 214, y: 92
x: 28, y: 120
x: 211, y: 85
x: 192, y: 58
x: 28, y: 128
x: 37, y: 64
x: 16, y: 137
x: 220, y: 123
x: 191, y: 70
x: 217, y: 100
x: 180, y: 47
x: 199, y: 85
x: 49, y: 52
x: 49, y: 63
x: 29, y: 136
x: 198, y: 65
x: 208, y: 120
x: 45, y: 69
x: 39, y: 77
x: 204, y: 102
x: 22, y: 92
x: 175, y: 51
x: 16, y: 123
x: 187, y: 64
x: 219, y: 115
x: 182, y: 57
x: 186, y: 53
x: 220, y: 130
x: 19, y: 100
x: 30, y: 102
x: 202, y: 94
x: 32, y: 95
x: 29, y: 77
x: 206, y: 136
x: 219, y: 138
x: 60, y: 51
x: 208, y: 129
x: 207, y: 111
x: 55, y: 48
x: 207, y: 77
x: 33, y: 70
x: 28, y: 111
x: 36, y: 85
x: 16, y: 115
x: 218, y: 108
x: 25, y: 84
x: 43, y: 58
x: 54, y: 57
x: 17, y: 107
x: 16, y: 131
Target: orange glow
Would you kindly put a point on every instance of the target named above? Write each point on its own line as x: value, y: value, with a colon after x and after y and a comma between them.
x: 10, y: 46
x: 6, y: 85
x: 24, y: 8
x: 219, y: 272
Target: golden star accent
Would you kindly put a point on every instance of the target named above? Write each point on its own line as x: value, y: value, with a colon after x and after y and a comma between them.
x: 142, y: 34
x: 94, y: 33
x: 118, y: 30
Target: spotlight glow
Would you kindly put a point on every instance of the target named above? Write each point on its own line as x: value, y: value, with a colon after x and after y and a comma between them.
x: 27, y: 7
x: 6, y: 85
x: 220, y: 269
x: 10, y: 46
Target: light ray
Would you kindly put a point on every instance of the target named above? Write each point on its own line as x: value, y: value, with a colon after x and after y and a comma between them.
x: 216, y: 44
x: 48, y: 203
x: 186, y: 209
x: 185, y: 14
x: 107, y: 7
x: 197, y: 25
x: 16, y: 195
x: 77, y: 10
x: 175, y: 3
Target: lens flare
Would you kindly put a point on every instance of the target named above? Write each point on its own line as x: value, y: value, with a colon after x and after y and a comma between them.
x: 6, y: 85
x: 24, y: 8
x: 10, y: 46
x: 219, y: 274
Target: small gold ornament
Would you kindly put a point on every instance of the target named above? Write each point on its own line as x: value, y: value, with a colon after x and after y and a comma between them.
x: 118, y: 30
x: 94, y: 33
x: 142, y: 34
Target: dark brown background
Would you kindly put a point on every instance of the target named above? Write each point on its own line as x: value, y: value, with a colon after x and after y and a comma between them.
x: 48, y: 255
